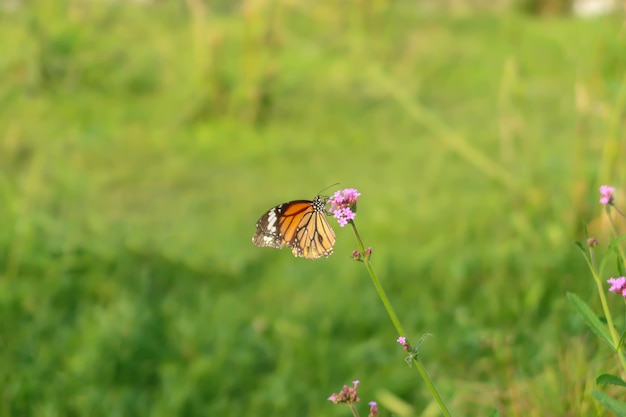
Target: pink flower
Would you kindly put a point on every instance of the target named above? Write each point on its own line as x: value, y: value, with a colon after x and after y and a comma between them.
x: 606, y: 194
x: 373, y: 409
x: 618, y: 285
x: 343, y: 205
x: 402, y: 341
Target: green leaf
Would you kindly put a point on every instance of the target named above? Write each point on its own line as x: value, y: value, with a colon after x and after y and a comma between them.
x: 580, y: 246
x: 618, y: 407
x: 620, y: 345
x: 592, y: 320
x: 494, y: 413
x: 608, y: 379
x: 615, y: 242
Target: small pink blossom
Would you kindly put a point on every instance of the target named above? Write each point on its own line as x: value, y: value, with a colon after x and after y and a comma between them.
x: 618, y: 285
x: 402, y: 341
x: 606, y: 194
x: 373, y: 409
x: 344, y: 215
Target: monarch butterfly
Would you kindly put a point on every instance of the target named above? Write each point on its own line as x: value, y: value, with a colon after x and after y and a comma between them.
x: 299, y: 224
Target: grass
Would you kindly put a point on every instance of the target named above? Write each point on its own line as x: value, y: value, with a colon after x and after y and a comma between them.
x: 141, y: 143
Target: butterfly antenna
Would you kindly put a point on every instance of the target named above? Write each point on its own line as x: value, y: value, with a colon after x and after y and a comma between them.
x: 330, y: 186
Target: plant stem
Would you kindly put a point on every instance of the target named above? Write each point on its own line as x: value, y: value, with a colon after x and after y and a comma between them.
x: 394, y: 319
x: 609, y: 319
x: 614, y: 229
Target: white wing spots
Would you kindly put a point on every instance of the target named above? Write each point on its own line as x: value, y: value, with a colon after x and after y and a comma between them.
x: 319, y: 205
x: 271, y: 220
x: 267, y: 234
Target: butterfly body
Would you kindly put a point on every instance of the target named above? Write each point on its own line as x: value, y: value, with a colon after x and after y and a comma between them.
x: 299, y: 224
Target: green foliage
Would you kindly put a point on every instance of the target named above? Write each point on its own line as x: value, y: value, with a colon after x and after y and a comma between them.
x: 617, y: 407
x: 141, y: 142
x: 591, y: 319
x: 605, y: 379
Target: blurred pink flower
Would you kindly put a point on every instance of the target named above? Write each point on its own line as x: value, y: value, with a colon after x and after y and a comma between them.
x: 606, y: 194
x: 618, y: 285
x: 373, y: 409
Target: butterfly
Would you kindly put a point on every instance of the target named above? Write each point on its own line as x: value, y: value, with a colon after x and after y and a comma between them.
x: 299, y: 224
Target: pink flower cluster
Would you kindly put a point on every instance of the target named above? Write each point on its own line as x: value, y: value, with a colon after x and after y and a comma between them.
x: 618, y: 285
x: 343, y: 205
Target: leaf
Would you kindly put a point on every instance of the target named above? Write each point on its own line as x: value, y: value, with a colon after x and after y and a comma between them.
x: 494, y: 413
x: 583, y: 250
x: 620, y: 345
x: 580, y: 246
x: 608, y: 379
x: 615, y: 242
x: 618, y: 407
x: 592, y: 320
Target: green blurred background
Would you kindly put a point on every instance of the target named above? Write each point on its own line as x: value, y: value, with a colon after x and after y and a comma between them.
x: 141, y: 141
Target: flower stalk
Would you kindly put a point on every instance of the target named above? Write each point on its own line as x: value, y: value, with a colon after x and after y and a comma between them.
x: 343, y: 206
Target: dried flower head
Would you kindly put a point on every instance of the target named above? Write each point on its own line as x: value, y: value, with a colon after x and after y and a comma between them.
x: 347, y: 394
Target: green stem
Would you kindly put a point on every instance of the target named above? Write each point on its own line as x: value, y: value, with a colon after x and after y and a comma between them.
x: 614, y: 229
x: 379, y: 288
x: 394, y: 319
x: 609, y: 320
